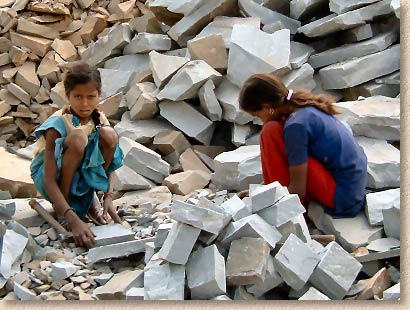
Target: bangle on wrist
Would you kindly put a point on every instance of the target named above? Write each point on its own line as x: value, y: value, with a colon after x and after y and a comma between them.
x: 65, y: 212
x: 109, y: 194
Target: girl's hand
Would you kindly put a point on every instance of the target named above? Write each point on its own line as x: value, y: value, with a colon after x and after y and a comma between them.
x: 243, y: 194
x: 109, y: 209
x: 83, y: 236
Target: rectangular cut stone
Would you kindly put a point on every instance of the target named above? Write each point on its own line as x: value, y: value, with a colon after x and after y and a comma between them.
x: 147, y: 42
x: 343, y: 6
x: 171, y: 141
x: 391, y: 221
x: 314, y: 294
x: 211, y: 49
x: 376, y: 202
x: 206, y: 273
x: 333, y: 23
x: 375, y: 117
x: 328, y: 277
x: 209, y: 103
x: 299, y: 54
x: 117, y: 250
x: 201, y: 217
x: 295, y: 262
x: 179, y: 243
x: 112, y: 233
x: 27, y: 79
x: 193, y: 123
x: 114, y: 81
x: 127, y: 179
x: 162, y: 233
x: 119, y: 284
x: 345, y: 74
x: 164, y: 281
x: 283, y: 211
x: 38, y: 46
x: 135, y: 293
x: 234, y: 207
x: 246, y: 263
x: 24, y: 26
x: 184, y: 183
x: 267, y: 195
x: 251, y: 226
x: 305, y: 9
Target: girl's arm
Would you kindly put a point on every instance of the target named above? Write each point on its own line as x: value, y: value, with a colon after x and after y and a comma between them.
x: 108, y: 207
x: 298, y: 179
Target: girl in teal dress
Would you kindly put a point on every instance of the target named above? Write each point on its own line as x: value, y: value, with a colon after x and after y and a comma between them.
x: 77, y: 153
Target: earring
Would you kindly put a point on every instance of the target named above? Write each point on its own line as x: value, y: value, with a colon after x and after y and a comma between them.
x: 271, y: 111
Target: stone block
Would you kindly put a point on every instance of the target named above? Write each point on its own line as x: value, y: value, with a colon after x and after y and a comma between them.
x: 61, y: 270
x: 147, y: 42
x: 314, y: 294
x: 327, y: 276
x: 193, y: 123
x: 164, y: 66
x: 392, y: 293
x: 114, y: 81
x: 202, y: 217
x: 299, y: 54
x: 183, y: 183
x: 27, y: 79
x: 65, y: 49
x: 39, y: 46
x: 206, y: 273
x: 146, y: 105
x: 118, y: 286
x: 12, y: 245
x: 305, y: 9
x: 267, y: 53
x: 234, y: 207
x: 162, y: 233
x: 111, y: 233
x: 171, y: 141
x: 246, y: 263
x: 93, y: 25
x: 48, y: 68
x: 376, y: 202
x: 267, y: 195
x: 190, y: 161
x: 135, y: 293
x: 23, y: 293
x: 57, y: 95
x: 391, y: 221
x: 27, y: 27
x: 240, y: 133
x: 146, y: 23
x: 340, y: 7
x: 252, y: 226
x: 19, y: 92
x: 209, y: 103
x: 383, y: 244
x: 301, y: 78
x: 295, y: 262
x: 211, y: 49
x: 127, y: 179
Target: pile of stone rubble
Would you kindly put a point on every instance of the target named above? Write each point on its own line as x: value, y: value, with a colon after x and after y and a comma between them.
x: 171, y: 77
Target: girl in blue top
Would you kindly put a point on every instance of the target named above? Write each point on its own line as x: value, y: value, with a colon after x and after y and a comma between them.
x: 304, y: 147
x: 77, y: 154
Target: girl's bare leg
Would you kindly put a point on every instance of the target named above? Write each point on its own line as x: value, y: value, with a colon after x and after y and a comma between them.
x: 108, y: 143
x: 74, y: 146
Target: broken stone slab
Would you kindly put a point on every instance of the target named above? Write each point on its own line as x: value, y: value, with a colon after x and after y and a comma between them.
x: 146, y: 42
x: 156, y: 195
x: 162, y: 233
x: 305, y: 9
x: 391, y: 221
x: 223, y: 25
x: 127, y: 179
x: 187, y: 81
x: 240, y: 133
x: 228, y: 95
x: 351, y: 233
x: 376, y: 257
x: 166, y: 10
x: 205, y: 271
x: 201, y: 217
x: 38, y: 46
x: 57, y: 95
x: 344, y: 75
x: 267, y: 195
x: 246, y: 263
x: 142, y: 131
x: 190, y: 161
x: 374, y: 117
x: 273, y: 27
x: 283, y: 211
x: 5, y: 59
x: 301, y: 78
x: 62, y: 270
x: 251, y: 226
x: 354, y: 50
x: 392, y: 293
x: 359, y: 33
x: 383, y: 163
x: 193, y: 123
x: 93, y: 25
x: 48, y: 68
x: 19, y: 92
x: 164, y: 281
x: 17, y: 56
x: 395, y: 5
x: 135, y: 293
x: 183, y: 183
x: 295, y: 262
x: 27, y: 79
x: 114, y: 81
x: 263, y: 53
x: 236, y: 208
x: 12, y: 247
x: 374, y: 286
x: 327, y: 276
x: 164, y: 66
x: 340, y: 7
x: 144, y: 161
x: 333, y: 23
x: 106, y: 46
x: 146, y: 106
x: 313, y: 294
x: 134, y: 63
x: 50, y: 8
x: 116, y: 250
x: 7, y: 210
x: 209, y: 103
x: 272, y: 280
x: 24, y: 26
x: 171, y: 141
x: 299, y: 54
x: 376, y: 202
x: 235, y: 170
x: 23, y: 293
x: 192, y: 24
x: 111, y: 233
x: 65, y: 49
x: 146, y: 23
x: 266, y: 15
x: 211, y: 49
x: 118, y: 286
x: 383, y: 244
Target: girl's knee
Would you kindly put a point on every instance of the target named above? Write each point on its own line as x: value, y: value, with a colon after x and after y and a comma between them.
x: 108, y: 137
x: 76, y: 141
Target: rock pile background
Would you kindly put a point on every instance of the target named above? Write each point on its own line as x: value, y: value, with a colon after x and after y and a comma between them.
x: 171, y: 78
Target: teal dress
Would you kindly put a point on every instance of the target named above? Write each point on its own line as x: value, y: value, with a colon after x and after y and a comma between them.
x: 90, y: 176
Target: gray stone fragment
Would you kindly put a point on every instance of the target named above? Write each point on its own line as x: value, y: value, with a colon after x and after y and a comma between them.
x: 146, y: 42
x: 391, y: 221
x: 12, y: 245
x: 162, y: 233
x: 295, y: 262
x: 351, y: 233
x: 111, y: 233
x: 375, y: 117
x: 383, y: 244
x: 266, y: 195
x: 267, y: 16
x: 114, y: 81
x: 7, y: 210
x: 209, y: 103
x: 19, y: 92
x: 135, y: 293
x: 119, y: 284
x: 376, y: 202
x: 358, y: 33
x: 383, y: 163
x: 304, y: 9
x: 221, y: 297
x: 392, y: 293
x: 313, y: 294
x: 164, y: 281
x: 193, y: 123
x: 395, y: 5
x: 327, y: 276
x: 23, y: 293
x: 273, y: 27
x: 246, y: 263
x: 299, y: 54
x: 377, y: 258
x: 239, y: 134
x: 179, y: 243
x: 242, y: 294
x: 62, y: 270
x: 343, y: 6
x: 228, y: 96
x: 103, y: 278
x: 334, y: 23
x: 206, y: 273
x: 345, y: 74
x: 234, y: 207
x: 252, y: 226
x: 164, y: 66
x: 107, y: 46
x: 127, y: 179
x: 235, y: 170
x: 301, y: 78
x: 135, y: 63
x: 350, y: 51
x: 262, y: 52
x: 187, y: 81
